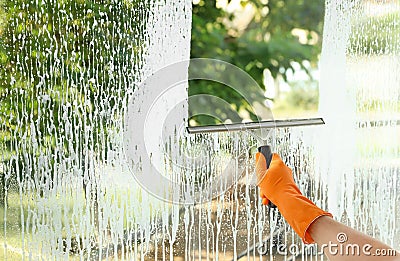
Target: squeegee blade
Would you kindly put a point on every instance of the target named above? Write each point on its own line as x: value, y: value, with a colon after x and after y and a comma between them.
x: 255, y: 125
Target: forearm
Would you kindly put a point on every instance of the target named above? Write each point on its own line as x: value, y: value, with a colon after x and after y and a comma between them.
x: 341, y: 242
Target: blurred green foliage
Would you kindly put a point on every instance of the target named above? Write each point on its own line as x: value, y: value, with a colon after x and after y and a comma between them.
x: 65, y: 68
x: 267, y: 42
x: 64, y: 56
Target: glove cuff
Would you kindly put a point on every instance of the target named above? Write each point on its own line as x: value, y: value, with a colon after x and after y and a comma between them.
x: 300, y: 213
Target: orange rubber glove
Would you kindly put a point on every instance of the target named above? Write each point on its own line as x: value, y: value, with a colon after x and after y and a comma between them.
x: 277, y: 185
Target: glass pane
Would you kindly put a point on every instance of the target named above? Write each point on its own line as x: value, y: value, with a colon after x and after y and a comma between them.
x: 95, y: 97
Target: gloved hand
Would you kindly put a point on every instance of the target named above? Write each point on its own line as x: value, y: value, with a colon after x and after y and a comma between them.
x: 277, y: 185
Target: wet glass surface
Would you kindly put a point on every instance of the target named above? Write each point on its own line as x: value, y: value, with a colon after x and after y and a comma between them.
x: 84, y: 151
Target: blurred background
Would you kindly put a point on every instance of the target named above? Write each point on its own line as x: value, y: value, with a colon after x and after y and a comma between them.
x: 278, y: 43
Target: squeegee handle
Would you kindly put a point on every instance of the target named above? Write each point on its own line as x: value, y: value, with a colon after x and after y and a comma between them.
x: 267, y: 153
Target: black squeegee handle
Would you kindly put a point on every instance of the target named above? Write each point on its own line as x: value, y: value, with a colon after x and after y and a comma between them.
x: 267, y: 152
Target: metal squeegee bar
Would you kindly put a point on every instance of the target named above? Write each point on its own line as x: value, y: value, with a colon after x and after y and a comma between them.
x: 255, y: 125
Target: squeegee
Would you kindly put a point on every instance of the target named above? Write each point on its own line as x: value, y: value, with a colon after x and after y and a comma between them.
x: 251, y: 127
